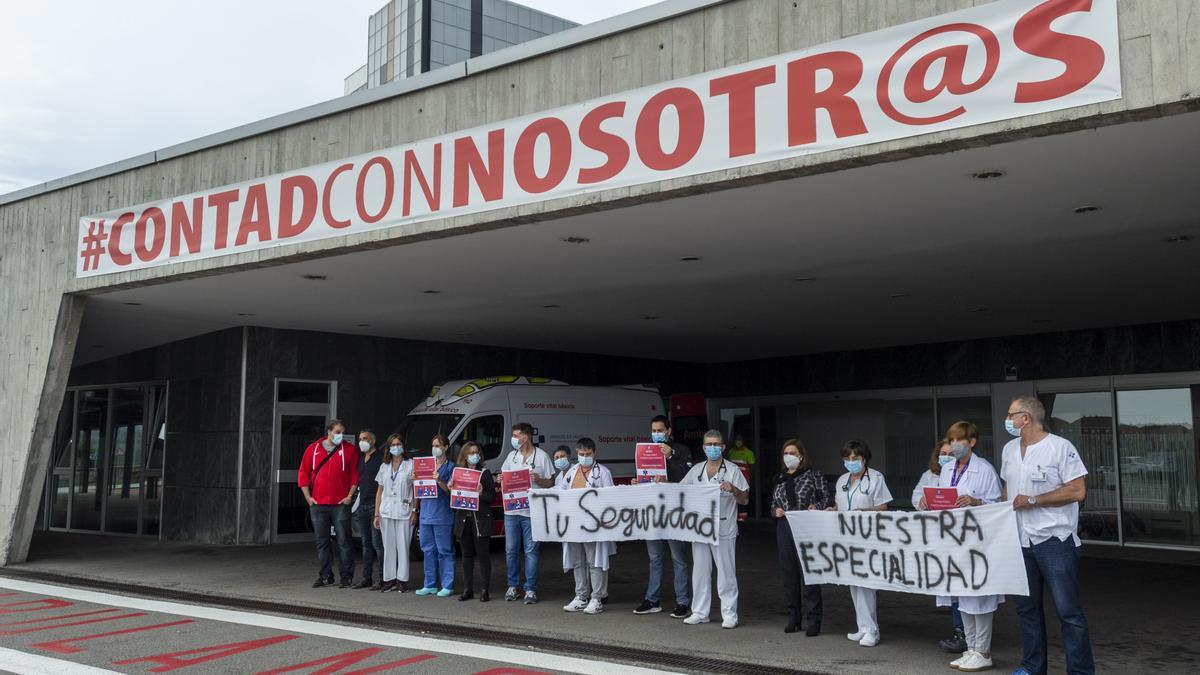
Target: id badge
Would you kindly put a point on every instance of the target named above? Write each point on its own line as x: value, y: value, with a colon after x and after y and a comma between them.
x: 1037, y: 477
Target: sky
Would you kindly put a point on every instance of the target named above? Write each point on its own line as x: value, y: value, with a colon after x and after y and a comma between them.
x: 85, y: 83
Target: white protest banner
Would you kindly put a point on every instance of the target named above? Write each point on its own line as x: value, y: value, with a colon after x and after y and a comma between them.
x: 997, y: 61
x: 625, y: 512
x: 963, y: 552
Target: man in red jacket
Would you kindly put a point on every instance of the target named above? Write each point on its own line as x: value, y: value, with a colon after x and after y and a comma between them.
x: 328, y: 477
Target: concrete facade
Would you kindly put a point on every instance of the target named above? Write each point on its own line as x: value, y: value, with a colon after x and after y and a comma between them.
x: 1160, y: 59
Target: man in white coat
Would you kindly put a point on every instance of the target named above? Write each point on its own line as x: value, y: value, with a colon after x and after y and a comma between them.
x: 589, y: 560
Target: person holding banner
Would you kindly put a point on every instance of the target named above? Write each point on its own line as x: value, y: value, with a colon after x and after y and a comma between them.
x: 437, y: 527
x: 394, y: 514
x: 956, y: 643
x: 976, y: 483
x: 734, y: 491
x: 1044, y: 477
x: 589, y: 560
x: 799, y: 487
x: 678, y: 463
x: 473, y: 529
x: 518, y: 532
x: 861, y: 488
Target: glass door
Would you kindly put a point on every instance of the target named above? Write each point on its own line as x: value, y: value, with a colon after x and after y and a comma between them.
x: 91, y: 434
x: 123, y: 470
x: 1086, y: 419
x: 302, y: 410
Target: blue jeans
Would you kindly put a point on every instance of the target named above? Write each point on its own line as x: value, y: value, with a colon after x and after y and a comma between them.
x: 339, y: 515
x: 372, y: 539
x: 437, y: 543
x: 1054, y: 564
x: 681, y: 555
x: 518, y: 538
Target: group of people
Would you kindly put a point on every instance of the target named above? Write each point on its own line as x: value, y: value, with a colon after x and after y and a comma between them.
x: 1041, y: 474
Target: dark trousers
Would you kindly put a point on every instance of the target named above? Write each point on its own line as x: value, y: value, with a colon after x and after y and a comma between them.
x: 323, y: 515
x: 802, y: 600
x: 372, y: 539
x: 1053, y: 565
x: 476, y: 547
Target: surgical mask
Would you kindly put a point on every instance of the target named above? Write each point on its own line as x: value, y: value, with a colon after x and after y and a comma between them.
x: 713, y: 452
x: 516, y: 443
x: 337, y: 439
x: 396, y: 450
x: 658, y: 436
x: 943, y: 460
x: 738, y: 443
x: 959, y: 450
x: 364, y: 446
x: 473, y: 458
x: 562, y: 463
x: 586, y: 461
x: 1011, y: 428
x: 437, y: 451
x: 791, y: 461
x: 853, y: 466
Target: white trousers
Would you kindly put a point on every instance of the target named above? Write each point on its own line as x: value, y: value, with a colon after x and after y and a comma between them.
x: 978, y: 631
x: 703, y: 556
x: 864, y: 608
x: 397, y: 536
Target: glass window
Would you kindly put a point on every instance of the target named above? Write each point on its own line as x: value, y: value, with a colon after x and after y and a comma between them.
x: 123, y: 483
x: 909, y: 435
x: 490, y: 432
x: 91, y: 431
x: 303, y: 392
x: 418, y: 430
x: 1156, y: 432
x: 1086, y: 420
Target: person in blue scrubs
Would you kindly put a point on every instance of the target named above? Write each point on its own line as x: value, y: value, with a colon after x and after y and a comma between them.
x: 437, y: 528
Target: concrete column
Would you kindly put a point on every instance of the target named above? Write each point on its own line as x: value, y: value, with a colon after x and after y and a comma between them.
x: 33, y: 378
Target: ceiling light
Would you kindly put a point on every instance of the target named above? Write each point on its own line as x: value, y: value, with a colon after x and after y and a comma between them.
x: 804, y: 279
x: 97, y: 346
x: 462, y: 334
x: 977, y: 310
x: 689, y: 258
x: 987, y: 175
x: 430, y: 292
x: 649, y: 318
x: 314, y: 277
x: 1080, y: 210
x: 362, y: 325
x: 733, y: 327
x: 1179, y: 239
x: 245, y: 313
x: 575, y: 240
x: 133, y: 304
x: 551, y: 306
x: 897, y: 296
x: 1042, y: 321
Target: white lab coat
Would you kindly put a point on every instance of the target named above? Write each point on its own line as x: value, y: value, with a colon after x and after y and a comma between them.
x: 928, y: 479
x: 598, y: 477
x: 980, y: 481
x: 397, y: 499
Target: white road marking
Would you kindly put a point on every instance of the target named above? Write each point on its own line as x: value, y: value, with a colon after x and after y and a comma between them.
x: 34, y: 664
x: 523, y: 657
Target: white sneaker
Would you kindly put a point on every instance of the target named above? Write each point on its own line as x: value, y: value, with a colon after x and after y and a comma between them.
x: 975, y: 663
x: 855, y: 637
x: 729, y: 623
x: 594, y: 607
x: 575, y: 605
x: 960, y: 660
x: 695, y: 619
x: 869, y: 640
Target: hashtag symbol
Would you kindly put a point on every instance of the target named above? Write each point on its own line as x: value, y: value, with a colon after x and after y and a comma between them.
x: 93, y: 245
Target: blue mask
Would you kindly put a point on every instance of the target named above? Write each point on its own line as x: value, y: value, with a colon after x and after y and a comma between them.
x: 943, y: 460
x: 337, y: 439
x: 562, y: 463
x: 585, y: 462
x: 658, y: 437
x: 396, y: 450
x: 516, y: 443
x: 473, y: 458
x: 1011, y: 428
x: 713, y: 452
x: 853, y: 467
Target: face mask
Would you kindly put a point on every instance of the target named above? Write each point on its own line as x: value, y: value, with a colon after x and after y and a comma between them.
x: 337, y: 439
x: 943, y: 460
x: 959, y: 450
x: 396, y: 450
x: 473, y: 459
x: 516, y: 443
x: 1012, y: 429
x: 791, y: 461
x: 713, y: 452
x: 853, y: 467
x: 364, y: 446
x: 562, y: 463
x: 739, y: 444
x: 586, y: 461
x: 658, y: 437
x: 437, y: 451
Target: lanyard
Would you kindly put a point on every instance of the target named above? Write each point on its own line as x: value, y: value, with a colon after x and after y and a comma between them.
x: 956, y: 476
x: 858, y: 489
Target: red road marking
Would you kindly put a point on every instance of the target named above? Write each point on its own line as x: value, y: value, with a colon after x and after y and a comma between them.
x: 172, y: 661
x: 512, y: 671
x: 66, y: 625
x: 50, y: 603
x: 394, y: 664
x: 67, y: 646
x: 336, y: 662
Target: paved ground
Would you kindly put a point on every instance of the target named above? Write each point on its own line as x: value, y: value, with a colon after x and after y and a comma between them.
x: 1142, y: 612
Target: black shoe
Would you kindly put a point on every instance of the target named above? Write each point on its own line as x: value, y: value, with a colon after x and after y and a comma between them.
x: 346, y: 581
x: 681, y: 612
x: 388, y: 586
x: 402, y: 586
x: 467, y: 595
x: 484, y: 597
x: 648, y: 607
x: 322, y: 582
x: 365, y: 583
x: 813, y: 630
x: 789, y: 628
x: 377, y: 587
x: 955, y: 644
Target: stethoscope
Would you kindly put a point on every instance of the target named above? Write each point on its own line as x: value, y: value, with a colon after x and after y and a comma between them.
x: 703, y: 477
x: 861, y: 487
x: 591, y: 477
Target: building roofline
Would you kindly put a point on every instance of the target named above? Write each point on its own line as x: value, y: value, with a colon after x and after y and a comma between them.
x: 522, y: 52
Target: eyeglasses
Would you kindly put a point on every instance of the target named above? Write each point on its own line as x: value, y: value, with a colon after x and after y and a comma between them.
x: 1013, y: 414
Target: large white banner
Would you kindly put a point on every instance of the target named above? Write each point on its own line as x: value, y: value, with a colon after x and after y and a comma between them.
x: 998, y: 61
x: 624, y: 512
x: 964, y: 552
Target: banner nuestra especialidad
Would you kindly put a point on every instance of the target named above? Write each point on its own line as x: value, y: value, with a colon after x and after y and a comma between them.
x: 963, y: 552
x: 626, y: 512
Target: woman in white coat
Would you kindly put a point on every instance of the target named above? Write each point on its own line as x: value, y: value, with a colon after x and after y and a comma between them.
x: 589, y: 560
x: 394, y: 514
x: 861, y: 488
x: 977, y: 484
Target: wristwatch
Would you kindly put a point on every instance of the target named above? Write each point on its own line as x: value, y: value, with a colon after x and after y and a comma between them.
x: 1032, y: 500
